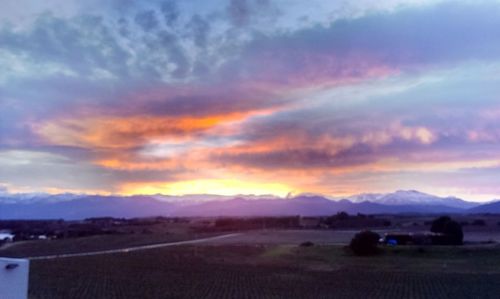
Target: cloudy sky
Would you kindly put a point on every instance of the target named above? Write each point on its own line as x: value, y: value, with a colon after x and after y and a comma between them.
x: 250, y: 96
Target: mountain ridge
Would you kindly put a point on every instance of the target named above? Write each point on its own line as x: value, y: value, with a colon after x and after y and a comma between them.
x: 413, y: 197
x: 73, y: 206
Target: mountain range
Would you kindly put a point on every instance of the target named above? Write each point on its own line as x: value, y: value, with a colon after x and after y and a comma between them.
x: 413, y: 197
x: 73, y: 206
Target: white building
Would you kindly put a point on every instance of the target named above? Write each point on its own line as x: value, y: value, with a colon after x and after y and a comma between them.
x: 6, y: 237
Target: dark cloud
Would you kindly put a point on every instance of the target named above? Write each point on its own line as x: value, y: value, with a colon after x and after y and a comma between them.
x: 146, y: 20
x: 239, y: 12
x: 88, y: 47
x: 206, y: 102
x: 82, y: 45
x: 169, y: 43
x: 302, y: 155
x: 123, y: 27
x: 170, y: 12
x: 300, y: 158
x: 402, y: 40
x: 200, y: 29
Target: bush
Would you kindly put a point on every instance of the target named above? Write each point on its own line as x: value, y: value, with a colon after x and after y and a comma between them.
x: 365, y: 243
x: 439, y: 224
x: 307, y: 244
x: 451, y: 231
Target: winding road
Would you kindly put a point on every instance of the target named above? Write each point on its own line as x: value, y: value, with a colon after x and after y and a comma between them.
x: 134, y: 248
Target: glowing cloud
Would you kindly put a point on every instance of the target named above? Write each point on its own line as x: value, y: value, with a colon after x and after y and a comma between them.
x: 330, y: 97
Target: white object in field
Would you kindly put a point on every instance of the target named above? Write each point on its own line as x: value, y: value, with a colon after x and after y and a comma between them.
x: 6, y: 236
x: 14, y: 274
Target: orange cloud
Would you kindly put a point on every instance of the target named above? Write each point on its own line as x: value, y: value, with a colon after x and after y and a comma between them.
x: 137, y: 165
x: 126, y: 132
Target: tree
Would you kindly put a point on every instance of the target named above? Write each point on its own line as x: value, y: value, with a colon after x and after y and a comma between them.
x: 365, y: 243
x: 453, y: 232
x: 306, y: 244
x: 439, y: 224
x: 450, y: 229
x: 342, y: 215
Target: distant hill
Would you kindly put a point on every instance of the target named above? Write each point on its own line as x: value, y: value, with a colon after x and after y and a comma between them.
x: 86, y: 207
x: 302, y: 205
x: 263, y: 207
x: 492, y: 208
x: 70, y: 206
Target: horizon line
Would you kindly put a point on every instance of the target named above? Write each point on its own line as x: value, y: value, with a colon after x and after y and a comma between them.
x: 274, y: 196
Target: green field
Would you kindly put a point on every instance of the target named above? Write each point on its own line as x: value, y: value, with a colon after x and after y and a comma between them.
x: 272, y: 271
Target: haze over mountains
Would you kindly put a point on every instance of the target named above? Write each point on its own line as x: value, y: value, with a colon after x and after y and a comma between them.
x: 72, y: 206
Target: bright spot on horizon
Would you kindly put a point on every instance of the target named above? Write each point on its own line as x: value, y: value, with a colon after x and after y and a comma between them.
x: 209, y: 186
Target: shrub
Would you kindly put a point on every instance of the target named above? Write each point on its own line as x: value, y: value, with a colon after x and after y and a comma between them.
x: 365, y: 243
x: 451, y: 231
x: 306, y: 244
x: 439, y: 224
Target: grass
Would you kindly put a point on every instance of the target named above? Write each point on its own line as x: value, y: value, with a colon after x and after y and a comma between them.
x: 92, y: 243
x: 440, y: 259
x: 260, y: 270
x: 271, y: 271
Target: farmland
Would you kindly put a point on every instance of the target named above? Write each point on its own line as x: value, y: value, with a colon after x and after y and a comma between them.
x: 129, y: 233
x: 333, y: 237
x: 91, y: 244
x: 262, y: 263
x: 271, y: 271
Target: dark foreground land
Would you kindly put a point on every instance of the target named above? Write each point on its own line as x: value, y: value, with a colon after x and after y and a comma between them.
x: 272, y: 271
x: 255, y: 262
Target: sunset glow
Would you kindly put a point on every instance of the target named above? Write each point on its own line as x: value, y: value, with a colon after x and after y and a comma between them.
x: 211, y: 186
x: 269, y: 98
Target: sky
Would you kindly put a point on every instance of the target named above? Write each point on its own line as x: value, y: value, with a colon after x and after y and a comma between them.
x: 250, y: 97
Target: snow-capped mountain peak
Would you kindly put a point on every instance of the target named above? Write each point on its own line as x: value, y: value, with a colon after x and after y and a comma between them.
x: 412, y: 197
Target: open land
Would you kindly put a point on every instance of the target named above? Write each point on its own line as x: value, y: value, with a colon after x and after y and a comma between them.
x: 263, y: 263
x: 271, y: 271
